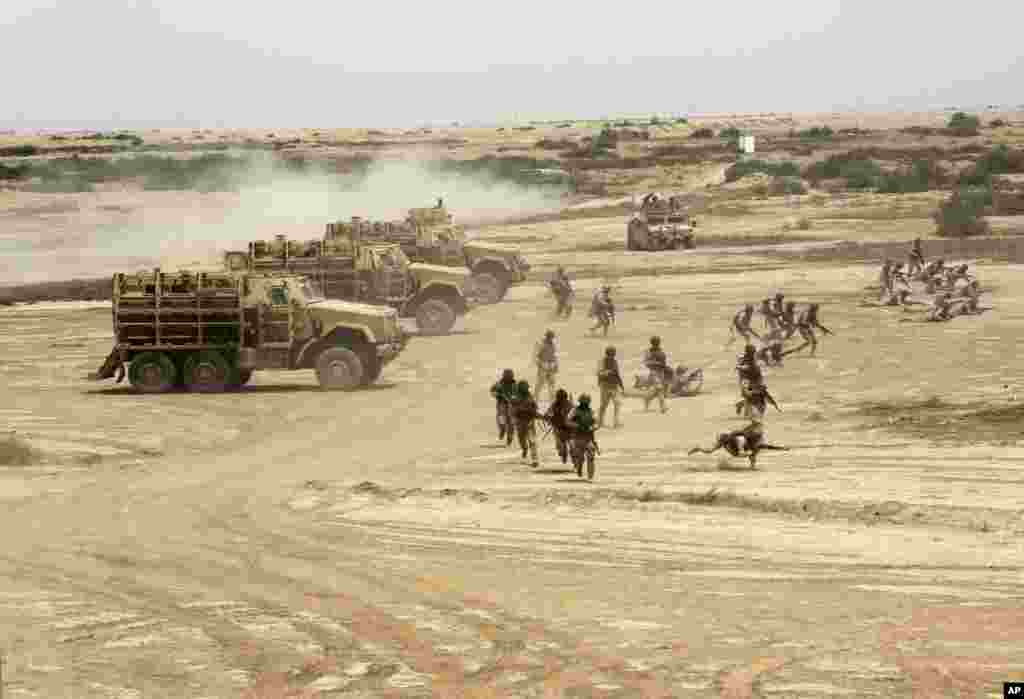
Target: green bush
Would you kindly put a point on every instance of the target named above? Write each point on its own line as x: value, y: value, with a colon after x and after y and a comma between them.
x: 682, y: 120
x: 998, y: 161
x: 858, y: 171
x: 743, y: 168
x: 963, y: 124
x: 22, y: 151
x: 816, y: 132
x: 961, y: 215
x: 787, y: 184
x: 12, y: 172
x: 730, y: 133
x: 920, y: 177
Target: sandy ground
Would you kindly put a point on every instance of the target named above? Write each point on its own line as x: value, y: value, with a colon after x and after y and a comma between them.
x: 288, y: 542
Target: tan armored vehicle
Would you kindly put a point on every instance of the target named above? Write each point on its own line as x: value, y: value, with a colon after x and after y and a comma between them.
x: 209, y: 331
x: 347, y: 267
x: 660, y: 224
x: 429, y: 235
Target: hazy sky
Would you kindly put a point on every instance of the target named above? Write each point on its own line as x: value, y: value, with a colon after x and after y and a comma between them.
x: 211, y: 63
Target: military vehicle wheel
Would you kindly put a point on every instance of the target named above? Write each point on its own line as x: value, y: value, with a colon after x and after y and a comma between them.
x: 207, y: 372
x: 487, y: 288
x: 435, y: 317
x: 678, y: 245
x: 371, y: 371
x: 240, y: 378
x: 152, y: 372
x: 689, y: 244
x: 339, y: 369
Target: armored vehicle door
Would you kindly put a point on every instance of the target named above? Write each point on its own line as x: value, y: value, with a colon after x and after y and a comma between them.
x: 275, y: 318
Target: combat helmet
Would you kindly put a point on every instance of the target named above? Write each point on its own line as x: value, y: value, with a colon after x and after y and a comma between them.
x: 609, y: 351
x: 655, y: 341
x: 523, y: 386
x: 561, y: 395
x: 508, y: 375
x: 584, y: 399
x: 549, y: 334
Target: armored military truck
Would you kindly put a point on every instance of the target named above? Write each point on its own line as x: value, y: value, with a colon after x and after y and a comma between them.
x: 660, y: 224
x: 209, y: 331
x: 347, y: 267
x: 429, y: 235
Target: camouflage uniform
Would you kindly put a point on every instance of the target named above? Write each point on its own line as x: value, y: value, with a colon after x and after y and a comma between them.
x: 602, y: 309
x: 524, y: 413
x: 562, y: 289
x: 504, y: 391
x: 545, y: 356
x: 609, y: 381
x: 558, y: 415
x: 657, y: 363
x: 915, y: 259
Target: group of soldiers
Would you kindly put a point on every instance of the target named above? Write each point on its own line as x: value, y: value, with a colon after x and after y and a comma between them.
x: 572, y: 425
x: 602, y: 307
x: 517, y: 410
x: 956, y: 291
x: 781, y: 321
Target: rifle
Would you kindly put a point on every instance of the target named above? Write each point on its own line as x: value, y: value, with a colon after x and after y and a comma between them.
x: 824, y: 329
x: 768, y: 397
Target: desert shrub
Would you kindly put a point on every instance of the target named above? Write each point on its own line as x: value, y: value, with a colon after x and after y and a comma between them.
x: 625, y: 123
x: 961, y: 215
x: 605, y: 142
x: 816, y: 132
x: 654, y: 121
x: 1000, y: 160
x: 786, y: 185
x: 743, y: 168
x: 12, y: 172
x: 997, y: 123
x: 703, y: 132
x: 919, y: 131
x: 963, y: 124
x: 15, y: 451
x: 730, y: 133
x: 858, y: 171
x: 22, y: 151
x: 682, y: 120
x: 919, y: 177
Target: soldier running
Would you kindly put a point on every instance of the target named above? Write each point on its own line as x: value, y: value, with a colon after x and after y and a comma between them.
x: 609, y: 381
x: 557, y: 416
x: 602, y: 308
x: 741, y: 325
x: 806, y: 323
x: 777, y: 305
x: 504, y: 392
x: 749, y: 376
x: 545, y: 356
x: 884, y: 279
x: 524, y: 412
x: 581, y: 424
x: 748, y: 442
x: 561, y: 287
x: 660, y: 374
x: 787, y: 321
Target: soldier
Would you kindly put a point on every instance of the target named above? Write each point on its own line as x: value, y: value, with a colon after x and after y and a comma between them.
x: 504, y: 392
x: 558, y: 417
x: 603, y: 309
x: 561, y: 287
x: 941, y: 308
x: 806, y: 323
x: 741, y: 325
x: 686, y: 383
x: 660, y: 374
x: 581, y: 425
x: 915, y: 258
x: 787, y: 321
x: 545, y: 356
x: 749, y: 376
x: 778, y: 306
x: 896, y: 276
x: 524, y: 412
x: 971, y: 295
x: 745, y: 442
x: 609, y: 381
x: 884, y: 279
x: 770, y: 318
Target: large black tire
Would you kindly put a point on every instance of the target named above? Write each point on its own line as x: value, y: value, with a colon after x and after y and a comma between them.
x: 207, y: 372
x: 488, y: 288
x: 435, y: 317
x: 152, y: 372
x: 339, y: 369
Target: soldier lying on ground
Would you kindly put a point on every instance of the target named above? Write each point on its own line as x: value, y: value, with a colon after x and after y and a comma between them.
x: 748, y: 442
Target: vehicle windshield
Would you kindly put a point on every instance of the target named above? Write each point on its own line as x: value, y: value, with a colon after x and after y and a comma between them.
x: 311, y: 290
